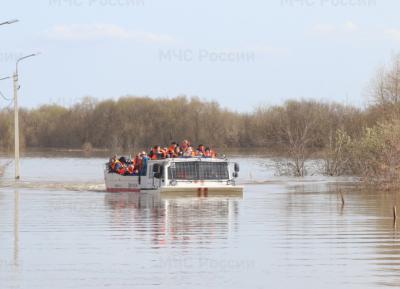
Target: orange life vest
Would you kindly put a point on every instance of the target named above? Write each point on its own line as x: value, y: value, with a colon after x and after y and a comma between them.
x: 131, y: 169
x: 171, y: 149
x: 164, y: 153
x: 213, y: 154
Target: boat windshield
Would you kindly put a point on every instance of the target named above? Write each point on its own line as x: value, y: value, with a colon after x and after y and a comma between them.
x: 198, y: 171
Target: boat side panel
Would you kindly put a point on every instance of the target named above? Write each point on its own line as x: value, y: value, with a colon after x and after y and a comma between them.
x: 116, y: 182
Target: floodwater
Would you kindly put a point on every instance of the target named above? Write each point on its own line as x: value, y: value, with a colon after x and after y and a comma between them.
x: 59, y: 229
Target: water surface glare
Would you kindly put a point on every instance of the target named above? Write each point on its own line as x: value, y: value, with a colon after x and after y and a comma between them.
x: 59, y: 229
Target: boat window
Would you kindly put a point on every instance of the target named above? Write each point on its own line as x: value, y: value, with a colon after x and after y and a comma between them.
x: 198, y: 171
x: 158, y: 171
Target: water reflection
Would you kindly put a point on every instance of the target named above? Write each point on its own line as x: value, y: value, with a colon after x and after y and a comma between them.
x: 16, y: 228
x: 174, y: 220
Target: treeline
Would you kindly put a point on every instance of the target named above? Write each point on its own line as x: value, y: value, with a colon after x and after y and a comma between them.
x: 137, y: 122
x: 351, y: 140
x: 126, y: 124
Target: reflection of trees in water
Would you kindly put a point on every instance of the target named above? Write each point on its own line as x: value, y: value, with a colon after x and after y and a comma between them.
x: 173, y: 220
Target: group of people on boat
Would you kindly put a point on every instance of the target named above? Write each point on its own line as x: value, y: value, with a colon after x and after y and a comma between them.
x: 185, y: 150
x: 127, y: 166
x: 138, y: 165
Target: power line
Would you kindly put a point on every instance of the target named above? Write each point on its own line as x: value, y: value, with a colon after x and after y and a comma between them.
x: 5, y: 98
x: 10, y: 104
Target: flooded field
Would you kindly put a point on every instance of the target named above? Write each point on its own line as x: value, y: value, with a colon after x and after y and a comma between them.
x: 59, y: 229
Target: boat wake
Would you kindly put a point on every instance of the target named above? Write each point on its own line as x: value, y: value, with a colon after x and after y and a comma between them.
x: 100, y: 187
x: 43, y: 185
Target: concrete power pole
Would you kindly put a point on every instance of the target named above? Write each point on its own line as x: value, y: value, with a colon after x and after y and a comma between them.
x: 16, y: 126
x: 16, y: 118
x: 17, y: 175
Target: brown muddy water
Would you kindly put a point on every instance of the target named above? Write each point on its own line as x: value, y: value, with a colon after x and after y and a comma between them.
x: 59, y: 229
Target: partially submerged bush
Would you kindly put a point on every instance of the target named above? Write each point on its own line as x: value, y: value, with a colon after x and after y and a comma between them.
x: 376, y: 156
x: 337, y: 157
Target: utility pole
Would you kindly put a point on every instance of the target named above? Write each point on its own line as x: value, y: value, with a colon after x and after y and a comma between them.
x: 16, y: 115
x: 16, y: 126
x: 16, y: 118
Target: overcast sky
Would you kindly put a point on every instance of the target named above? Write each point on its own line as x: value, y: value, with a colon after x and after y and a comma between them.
x: 240, y: 53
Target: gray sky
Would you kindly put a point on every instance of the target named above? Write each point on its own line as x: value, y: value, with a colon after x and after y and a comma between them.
x: 240, y: 53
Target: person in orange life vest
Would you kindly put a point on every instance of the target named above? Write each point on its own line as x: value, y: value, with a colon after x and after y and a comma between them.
x: 171, y: 149
x: 112, y: 163
x: 131, y: 169
x: 164, y: 152
x: 200, y: 150
x: 136, y: 162
x: 119, y: 168
x: 156, y: 153
x: 213, y: 154
x: 208, y: 153
x: 117, y: 165
x: 122, y: 171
